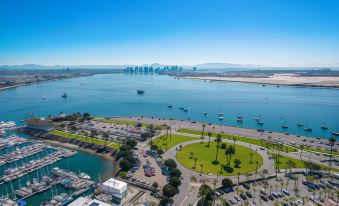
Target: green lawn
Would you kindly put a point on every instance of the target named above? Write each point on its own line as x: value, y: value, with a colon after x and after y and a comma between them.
x: 319, y: 150
x: 85, y: 139
x: 174, y: 140
x: 117, y: 121
x: 206, y: 155
x: 298, y: 163
x: 239, y: 138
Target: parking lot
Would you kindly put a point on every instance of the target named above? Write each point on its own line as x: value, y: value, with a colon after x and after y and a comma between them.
x: 283, y: 190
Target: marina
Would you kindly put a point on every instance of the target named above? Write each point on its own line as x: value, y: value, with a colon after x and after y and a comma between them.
x: 33, y: 165
x: 12, y: 140
x: 20, y: 153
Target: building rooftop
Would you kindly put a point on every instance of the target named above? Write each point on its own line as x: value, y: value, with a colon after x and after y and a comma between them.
x: 114, y: 183
x: 85, y: 201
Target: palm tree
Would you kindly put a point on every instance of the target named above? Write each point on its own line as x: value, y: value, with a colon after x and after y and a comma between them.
x: 290, y: 164
x: 218, y: 140
x: 203, y: 130
x: 301, y: 150
x: 271, y: 186
x: 201, y: 166
x: 282, y: 185
x: 209, y: 138
x: 191, y: 153
x: 254, y: 190
x: 251, y: 157
x: 331, y: 141
x: 195, y: 162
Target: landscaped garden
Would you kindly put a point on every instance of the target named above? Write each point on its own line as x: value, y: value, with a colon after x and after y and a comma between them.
x: 262, y: 143
x: 85, y: 139
x: 171, y: 140
x: 226, y: 159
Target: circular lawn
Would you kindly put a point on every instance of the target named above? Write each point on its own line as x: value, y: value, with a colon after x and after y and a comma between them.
x: 205, y: 156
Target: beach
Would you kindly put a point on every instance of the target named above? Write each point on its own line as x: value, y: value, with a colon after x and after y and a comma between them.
x: 287, y: 79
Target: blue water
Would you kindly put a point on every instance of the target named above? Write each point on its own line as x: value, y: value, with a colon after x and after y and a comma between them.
x: 115, y: 95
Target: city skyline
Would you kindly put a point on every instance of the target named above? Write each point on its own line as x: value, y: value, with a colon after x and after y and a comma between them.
x: 265, y: 33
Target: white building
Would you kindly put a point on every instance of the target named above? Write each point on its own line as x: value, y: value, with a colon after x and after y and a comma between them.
x: 114, y: 187
x: 85, y: 201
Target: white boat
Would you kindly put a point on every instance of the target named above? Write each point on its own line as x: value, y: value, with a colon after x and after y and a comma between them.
x: 7, y: 125
x: 84, y: 176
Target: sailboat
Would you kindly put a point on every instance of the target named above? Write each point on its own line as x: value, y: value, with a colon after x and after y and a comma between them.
x: 220, y: 115
x: 240, y: 118
x: 43, y: 97
x: 205, y: 112
x: 259, y: 121
x: 284, y: 125
x: 186, y: 109
x: 64, y: 95
x: 336, y: 132
x: 324, y: 127
x: 308, y: 129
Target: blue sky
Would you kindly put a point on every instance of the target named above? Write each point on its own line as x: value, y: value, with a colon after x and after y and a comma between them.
x: 78, y: 32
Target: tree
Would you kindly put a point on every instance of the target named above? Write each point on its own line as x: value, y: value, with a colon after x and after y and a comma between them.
x: 209, y: 138
x: 206, y: 194
x: 223, y: 145
x: 175, y: 172
x: 170, y: 163
x: 301, y: 150
x: 191, y: 153
x: 195, y: 162
x: 105, y: 136
x: 251, y: 157
x: 164, y: 201
x: 229, y: 152
x: 175, y: 181
x: 226, y: 182
x: 218, y: 140
x: 290, y: 165
x: 203, y: 130
x: 131, y: 142
x: 237, y: 163
x: 168, y: 190
x: 125, y: 165
x: 201, y: 166
x: 154, y: 147
x: 151, y: 132
x: 155, y: 186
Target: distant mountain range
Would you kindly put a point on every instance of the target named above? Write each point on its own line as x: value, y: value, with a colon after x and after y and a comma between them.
x: 205, y: 66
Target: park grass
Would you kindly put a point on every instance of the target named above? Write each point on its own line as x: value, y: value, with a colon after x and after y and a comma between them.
x: 85, y: 139
x: 239, y: 138
x: 117, y: 121
x: 206, y: 156
x: 319, y: 150
x: 171, y: 141
x: 298, y: 163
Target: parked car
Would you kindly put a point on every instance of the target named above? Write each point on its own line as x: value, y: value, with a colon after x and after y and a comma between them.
x: 263, y: 197
x: 286, y: 192
x: 243, y: 196
x: 270, y: 197
x: 249, y: 194
x: 275, y: 194
x: 237, y: 197
x: 231, y: 201
x: 247, y: 186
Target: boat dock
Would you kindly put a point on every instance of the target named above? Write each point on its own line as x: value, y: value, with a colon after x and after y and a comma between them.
x: 12, y: 140
x: 33, y: 165
x: 23, y: 152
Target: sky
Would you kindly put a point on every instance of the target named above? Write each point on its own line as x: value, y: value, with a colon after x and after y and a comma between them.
x: 183, y: 32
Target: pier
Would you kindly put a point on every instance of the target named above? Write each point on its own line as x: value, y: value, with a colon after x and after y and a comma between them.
x: 12, y: 140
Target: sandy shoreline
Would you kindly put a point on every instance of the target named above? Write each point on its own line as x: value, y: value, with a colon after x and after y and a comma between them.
x: 279, y: 79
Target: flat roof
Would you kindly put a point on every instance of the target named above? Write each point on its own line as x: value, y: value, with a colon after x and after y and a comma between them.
x: 115, y: 183
x: 85, y: 201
